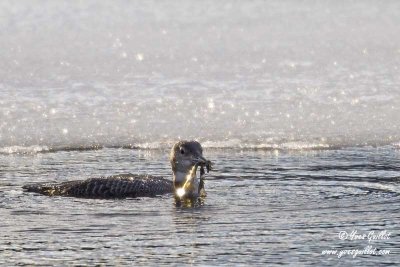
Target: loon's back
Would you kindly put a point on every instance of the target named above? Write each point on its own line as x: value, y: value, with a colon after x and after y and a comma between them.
x: 118, y: 186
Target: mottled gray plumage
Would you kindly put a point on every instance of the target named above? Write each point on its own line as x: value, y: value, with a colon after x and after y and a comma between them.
x: 118, y: 186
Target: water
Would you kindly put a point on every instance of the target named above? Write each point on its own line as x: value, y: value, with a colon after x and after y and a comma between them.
x: 296, y: 103
x: 262, y: 208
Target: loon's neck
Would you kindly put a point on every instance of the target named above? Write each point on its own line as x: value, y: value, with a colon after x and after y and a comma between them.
x: 180, y: 179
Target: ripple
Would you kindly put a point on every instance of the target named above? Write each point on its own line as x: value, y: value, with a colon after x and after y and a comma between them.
x: 283, y: 208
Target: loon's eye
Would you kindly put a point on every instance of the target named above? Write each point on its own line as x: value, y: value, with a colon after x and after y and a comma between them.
x: 182, y: 151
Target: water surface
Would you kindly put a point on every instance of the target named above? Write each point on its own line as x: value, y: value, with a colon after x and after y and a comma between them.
x: 297, y: 103
x: 262, y: 208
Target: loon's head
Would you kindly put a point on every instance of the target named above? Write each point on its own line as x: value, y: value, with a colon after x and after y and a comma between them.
x: 185, y: 157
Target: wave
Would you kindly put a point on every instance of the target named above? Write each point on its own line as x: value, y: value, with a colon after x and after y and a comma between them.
x: 233, y: 144
x: 238, y: 144
x: 35, y: 149
x: 23, y: 149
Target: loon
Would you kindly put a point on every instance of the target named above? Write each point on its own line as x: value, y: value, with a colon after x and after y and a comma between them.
x: 185, y: 158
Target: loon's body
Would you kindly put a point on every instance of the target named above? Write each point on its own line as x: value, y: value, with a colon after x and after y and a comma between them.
x: 117, y: 186
x: 186, y: 157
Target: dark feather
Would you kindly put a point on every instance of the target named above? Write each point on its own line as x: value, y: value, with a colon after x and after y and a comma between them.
x: 118, y: 186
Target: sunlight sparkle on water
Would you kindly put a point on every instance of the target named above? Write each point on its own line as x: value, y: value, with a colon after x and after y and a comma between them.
x: 139, y: 57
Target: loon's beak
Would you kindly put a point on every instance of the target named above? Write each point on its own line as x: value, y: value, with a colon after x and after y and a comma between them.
x: 203, y: 162
x: 200, y: 160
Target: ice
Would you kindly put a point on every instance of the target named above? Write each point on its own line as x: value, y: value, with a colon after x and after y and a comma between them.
x: 264, y: 73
